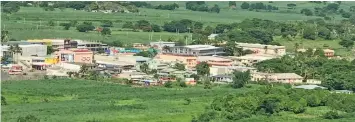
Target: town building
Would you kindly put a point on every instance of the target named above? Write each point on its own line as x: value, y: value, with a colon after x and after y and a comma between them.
x: 194, y: 50
x: 222, y: 78
x: 62, y: 43
x: 75, y: 55
x: 214, y: 61
x: 291, y: 78
x: 223, y: 70
x: 309, y: 87
x: 327, y: 52
x: 160, y: 45
x: 249, y: 60
x: 212, y: 36
x: 264, y: 49
x: 27, y: 50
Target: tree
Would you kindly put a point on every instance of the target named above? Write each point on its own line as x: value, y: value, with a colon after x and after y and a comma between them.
x: 240, y: 79
x: 244, y: 5
x: 156, y: 28
x: 3, y: 101
x: 143, y: 53
x: 203, y: 69
x: 182, y: 84
x: 51, y: 23
x: 83, y: 70
x: 331, y: 115
x: 85, y: 27
x: 352, y: 9
x: 15, y: 50
x: 10, y: 7
x: 291, y: 5
x: 352, y: 19
x: 106, y: 31
x: 4, y: 36
x: 144, y: 68
x: 309, y: 33
x: 50, y: 50
x: 73, y: 23
x: 347, y: 43
x: 65, y: 25
x: 179, y: 66
x: 346, y: 14
x: 143, y: 25
x: 306, y: 12
x: 215, y: 8
x: 117, y: 43
x: 107, y: 23
x: 232, y: 4
x: 128, y: 25
x: 28, y: 118
x: 168, y: 84
x: 198, y: 26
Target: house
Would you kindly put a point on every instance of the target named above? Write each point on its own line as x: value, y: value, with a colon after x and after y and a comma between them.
x: 291, y: 78
x: 309, y: 87
x: 313, y: 81
x: 264, y: 49
x: 212, y: 36
x: 195, y: 50
x: 222, y: 78
x: 248, y: 60
x: 140, y: 46
x: 222, y: 70
x: 214, y: 60
x: 189, y: 61
x: 161, y: 45
x: 327, y: 52
x: 27, y: 50
x: 343, y: 91
x: 75, y: 55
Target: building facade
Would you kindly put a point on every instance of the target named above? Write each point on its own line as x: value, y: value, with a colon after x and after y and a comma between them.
x: 75, y: 55
x: 194, y: 50
x: 264, y: 49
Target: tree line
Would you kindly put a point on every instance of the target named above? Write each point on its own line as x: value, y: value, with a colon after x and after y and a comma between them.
x: 269, y: 100
x: 201, y: 6
x: 257, y: 6
x: 334, y: 73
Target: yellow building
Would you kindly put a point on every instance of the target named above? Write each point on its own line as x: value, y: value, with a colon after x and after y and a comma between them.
x: 51, y: 60
x: 41, y: 41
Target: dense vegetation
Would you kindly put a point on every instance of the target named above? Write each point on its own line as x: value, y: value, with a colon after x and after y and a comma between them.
x: 85, y: 100
x: 270, y: 101
x: 334, y: 73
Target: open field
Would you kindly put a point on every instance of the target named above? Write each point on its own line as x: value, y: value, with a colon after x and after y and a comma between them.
x: 79, y: 100
x: 31, y: 22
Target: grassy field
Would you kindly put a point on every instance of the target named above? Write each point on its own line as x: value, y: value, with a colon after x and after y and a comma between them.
x: 77, y: 100
x: 333, y: 44
x: 31, y: 22
x: 80, y: 101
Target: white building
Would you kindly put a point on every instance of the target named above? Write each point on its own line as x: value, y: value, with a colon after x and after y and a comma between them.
x: 195, y: 50
x: 264, y: 49
x: 28, y: 50
x: 160, y: 45
x: 212, y: 36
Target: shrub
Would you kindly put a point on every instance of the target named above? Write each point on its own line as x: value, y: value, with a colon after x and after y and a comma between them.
x: 28, y: 118
x: 168, y: 84
x: 188, y: 101
x: 331, y: 115
x: 45, y: 77
x: 182, y: 84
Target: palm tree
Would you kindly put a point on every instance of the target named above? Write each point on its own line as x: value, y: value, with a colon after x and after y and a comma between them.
x: 265, y: 49
x: 17, y: 50
x: 4, y: 36
x: 12, y: 51
x: 166, y: 48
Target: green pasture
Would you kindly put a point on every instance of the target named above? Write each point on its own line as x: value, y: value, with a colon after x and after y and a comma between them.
x: 79, y: 101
